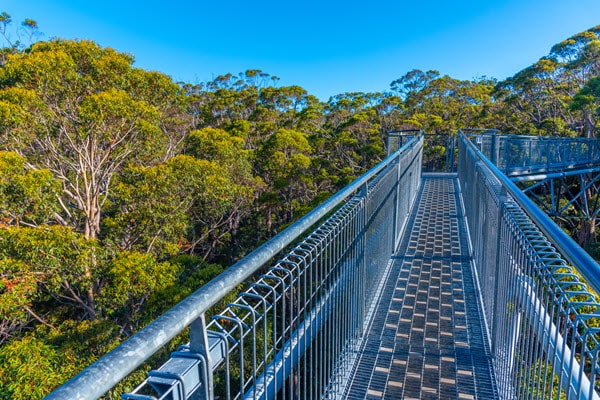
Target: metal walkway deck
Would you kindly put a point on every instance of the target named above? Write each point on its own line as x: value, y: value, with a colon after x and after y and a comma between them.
x: 427, y: 339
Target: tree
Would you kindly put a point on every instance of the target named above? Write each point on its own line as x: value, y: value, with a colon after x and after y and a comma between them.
x: 285, y: 162
x: 31, y: 368
x: 131, y: 279
x: 229, y: 192
x: 587, y: 101
x: 413, y: 83
x: 50, y: 263
x: 535, y: 99
x: 353, y: 137
x: 186, y: 204
x: 579, y: 56
x: 538, y: 99
x: 170, y: 101
x: 17, y: 287
x: 83, y: 113
x: 441, y: 104
x: 12, y: 45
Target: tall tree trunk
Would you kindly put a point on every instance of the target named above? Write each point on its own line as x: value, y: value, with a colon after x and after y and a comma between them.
x: 587, y: 230
x: 587, y: 226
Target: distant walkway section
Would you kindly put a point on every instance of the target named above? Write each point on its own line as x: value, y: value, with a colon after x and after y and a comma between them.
x: 427, y: 339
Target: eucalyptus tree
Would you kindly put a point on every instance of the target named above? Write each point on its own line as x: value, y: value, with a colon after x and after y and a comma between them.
x: 579, y: 56
x: 285, y: 166
x: 15, y: 40
x: 441, y: 104
x: 352, y: 134
x: 83, y: 112
x: 587, y: 101
x: 192, y: 203
x: 538, y: 99
x: 580, y: 61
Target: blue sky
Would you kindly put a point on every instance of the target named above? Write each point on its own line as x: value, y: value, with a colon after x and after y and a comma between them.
x: 327, y: 47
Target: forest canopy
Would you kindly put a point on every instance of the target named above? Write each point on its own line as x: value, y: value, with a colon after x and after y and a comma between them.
x: 122, y: 191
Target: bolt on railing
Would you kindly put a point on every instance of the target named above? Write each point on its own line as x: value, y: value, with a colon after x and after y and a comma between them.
x: 538, y: 288
x: 294, y: 330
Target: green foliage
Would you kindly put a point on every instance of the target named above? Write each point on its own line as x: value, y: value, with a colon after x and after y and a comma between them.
x: 148, y: 208
x: 26, y: 197
x: 185, y: 204
x: 587, y: 102
x: 441, y: 104
x: 192, y: 274
x: 225, y: 150
x: 31, y: 368
x: 33, y: 365
x: 285, y: 161
x: 215, y: 145
x: 63, y: 264
x: 133, y: 277
x: 17, y: 287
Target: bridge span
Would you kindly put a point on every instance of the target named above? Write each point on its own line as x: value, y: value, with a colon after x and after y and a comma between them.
x: 403, y: 285
x: 426, y: 340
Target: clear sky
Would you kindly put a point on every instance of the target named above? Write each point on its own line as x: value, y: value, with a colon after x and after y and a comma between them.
x: 327, y: 47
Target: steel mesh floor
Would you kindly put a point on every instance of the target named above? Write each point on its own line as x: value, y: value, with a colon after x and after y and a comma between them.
x: 427, y: 339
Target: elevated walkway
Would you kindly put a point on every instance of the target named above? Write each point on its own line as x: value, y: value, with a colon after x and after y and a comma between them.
x: 325, y: 313
x: 427, y: 339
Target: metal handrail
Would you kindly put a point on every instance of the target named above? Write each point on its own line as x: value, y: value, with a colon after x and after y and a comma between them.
x: 540, y: 316
x: 105, y: 373
x: 519, y: 155
x: 583, y: 262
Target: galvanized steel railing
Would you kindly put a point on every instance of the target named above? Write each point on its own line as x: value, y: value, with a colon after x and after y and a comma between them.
x: 295, y: 329
x: 518, y: 155
x: 439, y: 150
x: 543, y: 319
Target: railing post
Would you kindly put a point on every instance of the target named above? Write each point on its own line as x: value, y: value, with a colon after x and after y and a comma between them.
x: 498, y: 262
x: 529, y: 155
x: 501, y: 314
x: 363, y: 258
x: 495, y: 149
x: 199, y: 345
x: 397, y: 199
x: 507, y: 390
x: 548, y: 154
x: 450, y: 148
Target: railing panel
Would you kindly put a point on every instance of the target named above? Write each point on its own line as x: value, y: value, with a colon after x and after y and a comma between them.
x: 543, y: 319
x: 439, y: 150
x: 296, y: 324
x: 520, y: 155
